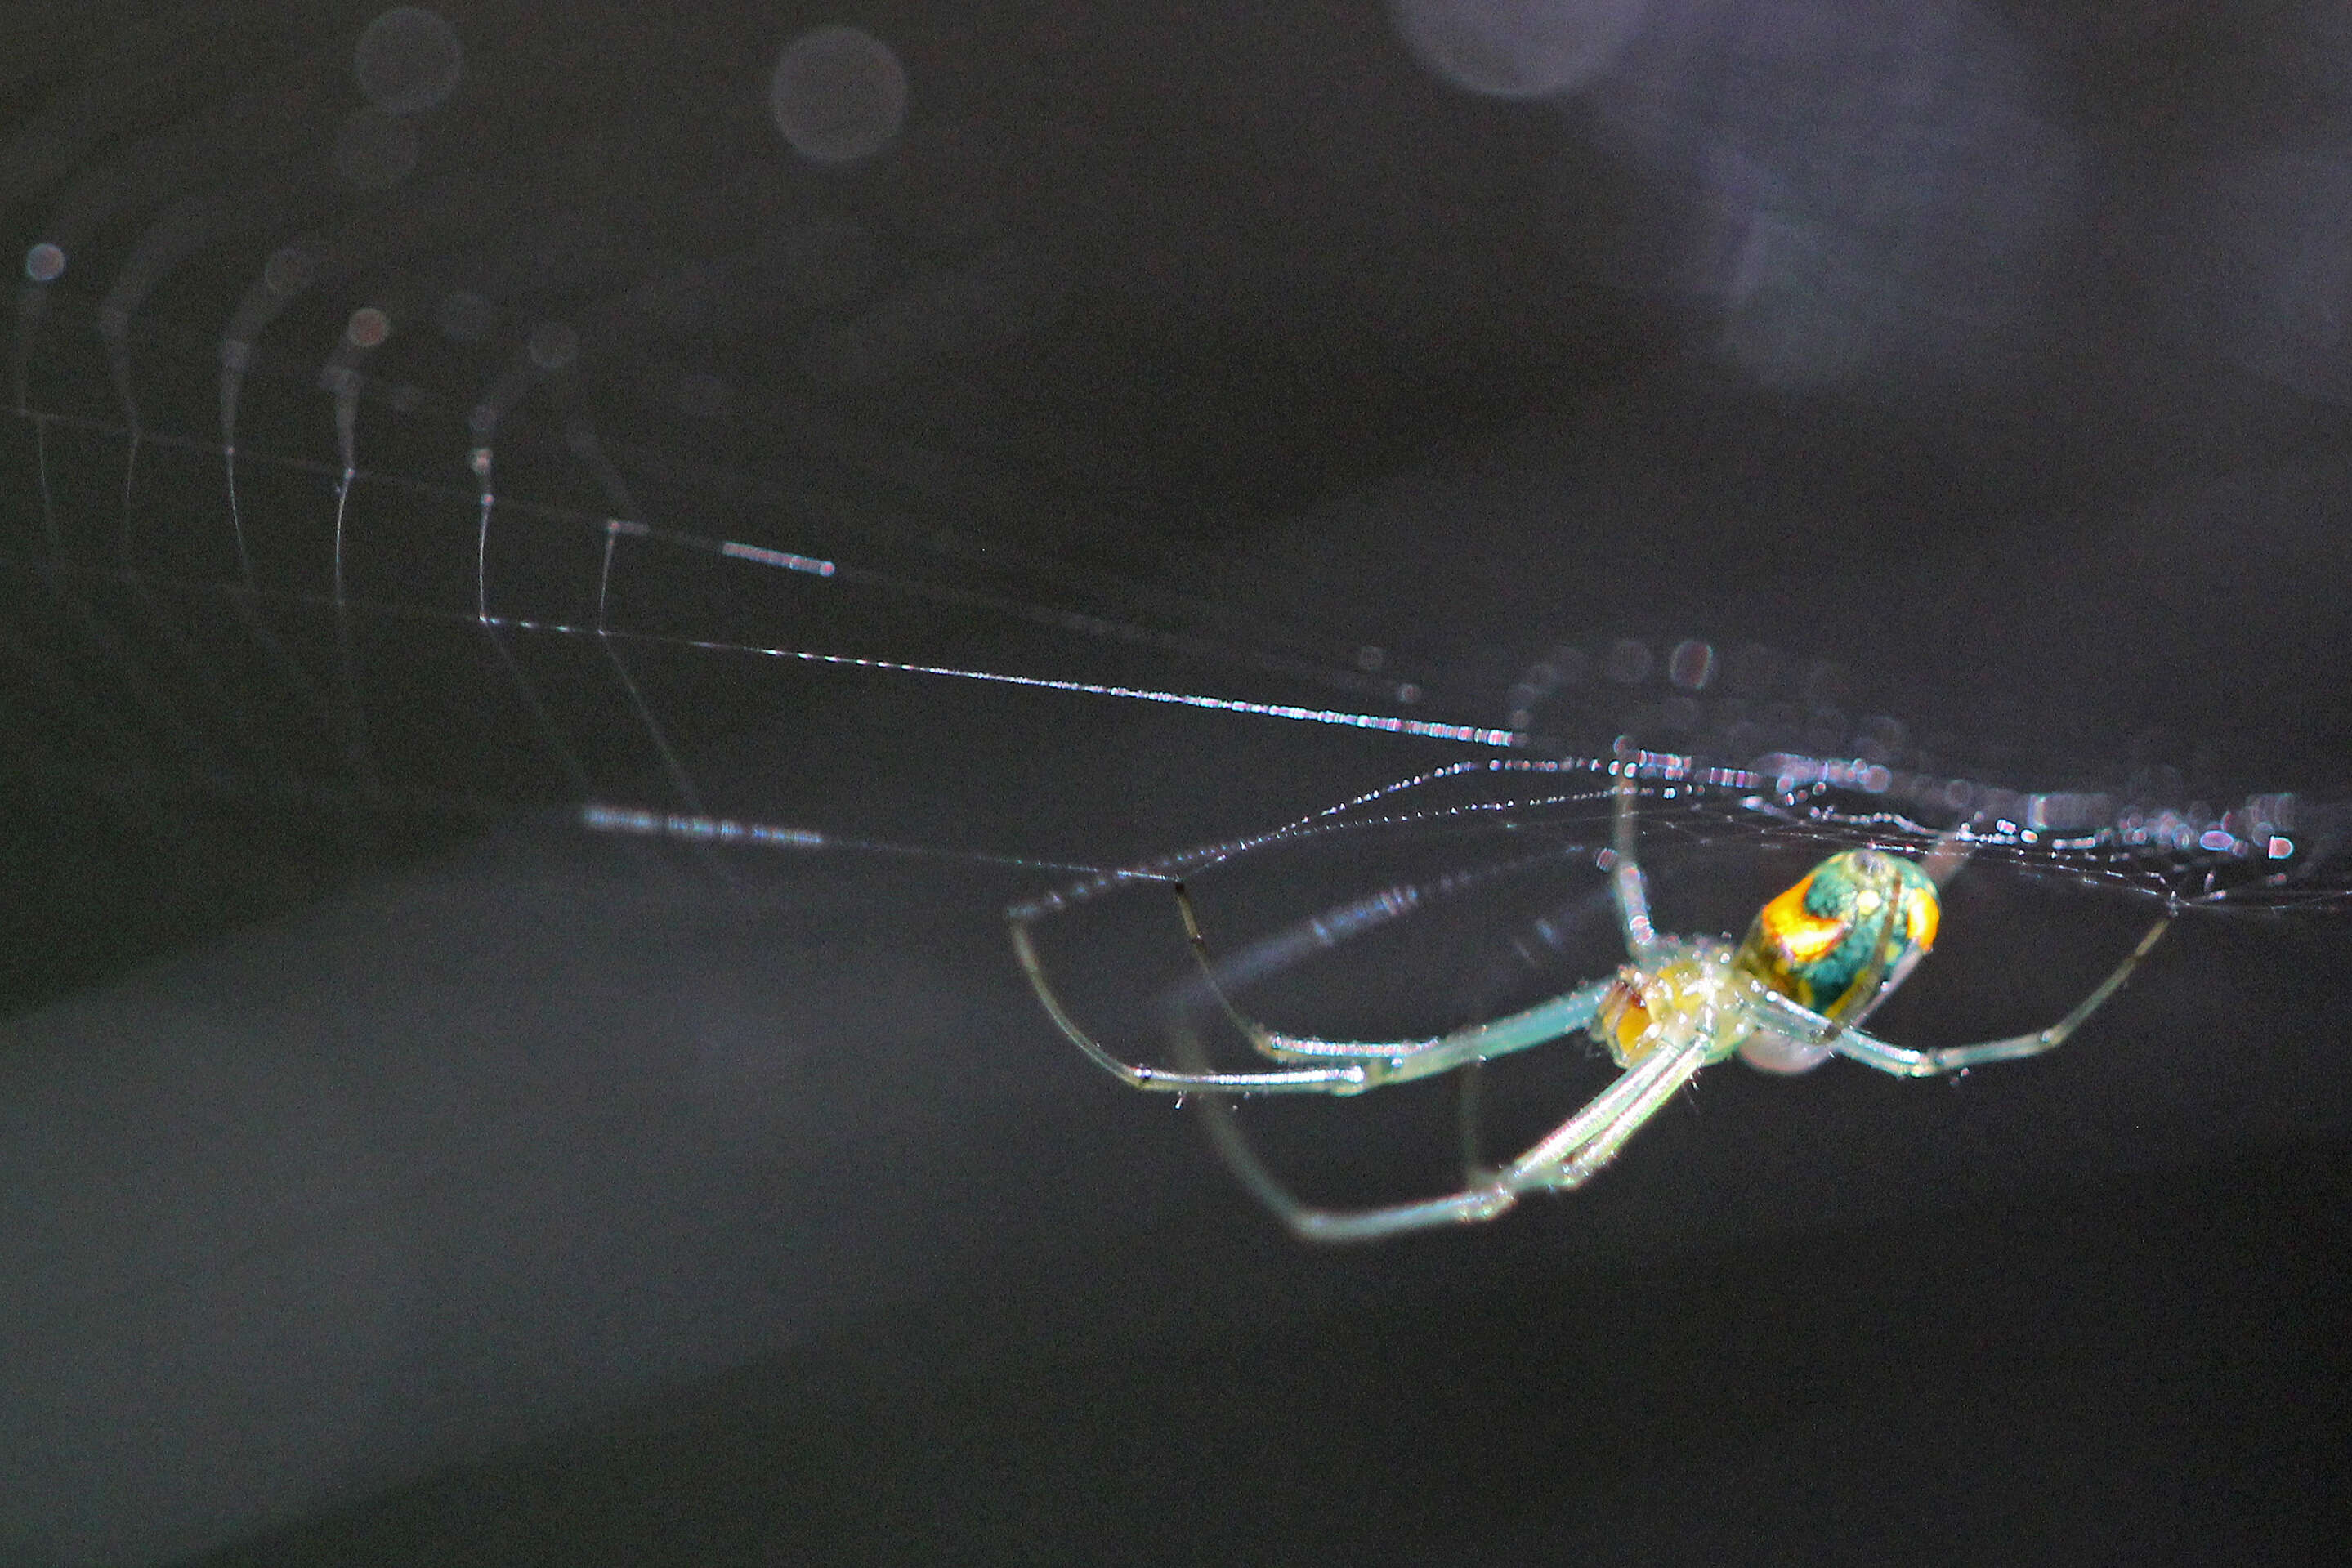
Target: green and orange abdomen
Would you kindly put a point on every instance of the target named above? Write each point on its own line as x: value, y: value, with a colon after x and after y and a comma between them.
x: 1840, y: 937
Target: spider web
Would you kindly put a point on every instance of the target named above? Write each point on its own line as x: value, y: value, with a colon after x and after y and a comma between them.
x: 269, y: 625
x: 241, y: 620
x: 312, y: 557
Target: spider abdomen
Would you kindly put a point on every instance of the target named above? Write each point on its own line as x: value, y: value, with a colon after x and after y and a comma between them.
x: 1845, y: 935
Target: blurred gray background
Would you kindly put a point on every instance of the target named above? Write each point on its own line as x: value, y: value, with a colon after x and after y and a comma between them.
x: 392, y: 1171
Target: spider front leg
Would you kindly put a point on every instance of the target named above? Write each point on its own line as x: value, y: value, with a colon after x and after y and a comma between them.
x: 1351, y: 1078
x: 1311, y: 1065
x: 1625, y: 879
x: 1906, y: 1062
x: 1401, y: 1061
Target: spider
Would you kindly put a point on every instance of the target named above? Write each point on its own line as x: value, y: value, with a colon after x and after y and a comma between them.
x: 1815, y: 963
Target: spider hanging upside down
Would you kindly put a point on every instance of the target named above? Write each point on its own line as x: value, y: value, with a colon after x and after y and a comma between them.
x: 1816, y: 962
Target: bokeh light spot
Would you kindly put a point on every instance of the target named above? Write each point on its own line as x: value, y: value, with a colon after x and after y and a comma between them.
x: 838, y: 95
x: 45, y: 262
x: 408, y: 60
x: 1691, y: 666
x: 368, y: 329
x: 1871, y: 191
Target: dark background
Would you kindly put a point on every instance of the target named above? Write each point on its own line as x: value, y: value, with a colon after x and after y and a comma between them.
x: 390, y: 1170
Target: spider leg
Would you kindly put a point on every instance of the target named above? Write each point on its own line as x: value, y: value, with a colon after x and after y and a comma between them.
x: 1401, y: 1061
x: 1349, y: 1078
x: 1565, y: 1158
x: 1907, y: 1063
x: 1625, y: 877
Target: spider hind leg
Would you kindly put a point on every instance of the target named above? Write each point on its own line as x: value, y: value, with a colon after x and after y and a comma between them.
x: 1906, y: 1062
x: 1565, y: 1158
